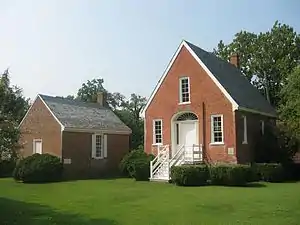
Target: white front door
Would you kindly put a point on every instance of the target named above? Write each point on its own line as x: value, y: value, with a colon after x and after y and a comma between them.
x: 188, y: 137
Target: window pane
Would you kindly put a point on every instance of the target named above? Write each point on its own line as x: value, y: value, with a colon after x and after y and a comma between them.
x: 158, y: 131
x: 98, y: 146
x: 185, y: 97
x: 217, y: 129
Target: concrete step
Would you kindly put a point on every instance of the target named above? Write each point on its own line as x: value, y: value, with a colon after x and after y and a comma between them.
x: 165, y: 180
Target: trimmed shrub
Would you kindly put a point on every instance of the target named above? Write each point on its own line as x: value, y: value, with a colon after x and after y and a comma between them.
x: 136, y: 164
x: 38, y: 168
x: 230, y: 175
x: 270, y: 172
x: 189, y: 175
x: 141, y: 169
x: 292, y: 171
x: 7, y: 167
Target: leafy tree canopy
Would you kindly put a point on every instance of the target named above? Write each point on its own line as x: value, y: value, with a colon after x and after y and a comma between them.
x: 267, y: 58
x: 13, y: 107
x: 290, y: 104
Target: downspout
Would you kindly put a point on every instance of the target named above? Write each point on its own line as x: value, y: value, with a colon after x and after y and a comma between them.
x: 203, y: 132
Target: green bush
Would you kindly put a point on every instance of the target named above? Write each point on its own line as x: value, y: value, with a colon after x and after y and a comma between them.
x: 7, y: 167
x: 231, y: 175
x: 141, y: 169
x: 270, y: 172
x: 136, y: 164
x: 189, y: 175
x: 292, y: 171
x: 38, y: 168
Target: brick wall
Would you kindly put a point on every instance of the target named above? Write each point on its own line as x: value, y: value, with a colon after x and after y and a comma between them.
x: 206, y: 99
x: 77, y: 146
x: 245, y: 152
x: 40, y: 124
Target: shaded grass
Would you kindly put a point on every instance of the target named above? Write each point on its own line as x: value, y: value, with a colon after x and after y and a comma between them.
x: 124, y: 201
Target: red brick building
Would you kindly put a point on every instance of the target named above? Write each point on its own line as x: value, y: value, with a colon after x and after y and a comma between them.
x: 89, y: 138
x: 203, y: 104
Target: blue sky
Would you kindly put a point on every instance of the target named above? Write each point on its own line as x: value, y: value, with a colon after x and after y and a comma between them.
x: 53, y: 46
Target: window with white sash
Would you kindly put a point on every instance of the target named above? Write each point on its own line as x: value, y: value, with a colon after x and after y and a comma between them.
x: 157, y: 132
x: 245, y: 137
x: 217, y: 136
x: 262, y: 127
x: 99, y: 146
x: 184, y: 90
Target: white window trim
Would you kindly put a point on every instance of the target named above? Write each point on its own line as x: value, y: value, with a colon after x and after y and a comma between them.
x: 103, y: 146
x: 180, y: 90
x: 212, y: 135
x: 245, y: 135
x: 154, y: 134
x: 33, y: 145
x: 262, y: 127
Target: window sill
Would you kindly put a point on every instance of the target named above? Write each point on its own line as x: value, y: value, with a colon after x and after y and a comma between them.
x: 158, y: 144
x: 97, y: 158
x: 216, y: 143
x: 184, y: 103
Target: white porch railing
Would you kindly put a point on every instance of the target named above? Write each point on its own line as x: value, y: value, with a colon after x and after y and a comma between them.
x: 162, y: 157
x: 186, y: 154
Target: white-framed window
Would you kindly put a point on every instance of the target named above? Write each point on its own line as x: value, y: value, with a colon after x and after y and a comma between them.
x: 99, y: 146
x: 157, y: 131
x: 184, y: 90
x: 262, y: 127
x: 37, y: 146
x: 245, y: 136
x: 217, y: 135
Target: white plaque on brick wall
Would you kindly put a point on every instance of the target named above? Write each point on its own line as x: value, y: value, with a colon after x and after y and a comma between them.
x: 230, y: 151
x: 67, y: 161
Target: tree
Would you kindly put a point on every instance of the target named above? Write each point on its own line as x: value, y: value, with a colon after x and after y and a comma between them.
x: 88, y: 93
x: 13, y: 107
x: 127, y: 110
x: 12, y: 102
x: 290, y: 103
x: 130, y: 115
x: 267, y: 58
x: 135, y: 104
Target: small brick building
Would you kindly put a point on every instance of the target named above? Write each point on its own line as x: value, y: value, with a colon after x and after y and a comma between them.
x: 88, y: 137
x: 202, y: 100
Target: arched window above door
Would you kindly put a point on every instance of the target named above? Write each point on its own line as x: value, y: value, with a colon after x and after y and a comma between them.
x: 187, y: 116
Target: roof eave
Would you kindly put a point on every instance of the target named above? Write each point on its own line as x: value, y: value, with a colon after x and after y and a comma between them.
x: 257, y: 112
x: 92, y: 130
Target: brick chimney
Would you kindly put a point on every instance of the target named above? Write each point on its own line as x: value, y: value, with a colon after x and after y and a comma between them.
x: 101, y: 98
x: 235, y: 60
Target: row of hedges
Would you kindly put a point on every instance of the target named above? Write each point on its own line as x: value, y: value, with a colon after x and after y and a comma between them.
x: 136, y: 164
x: 229, y: 175
x: 38, y: 168
x: 7, y: 167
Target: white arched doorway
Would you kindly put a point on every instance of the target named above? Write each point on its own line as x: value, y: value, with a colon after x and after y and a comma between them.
x: 184, y: 131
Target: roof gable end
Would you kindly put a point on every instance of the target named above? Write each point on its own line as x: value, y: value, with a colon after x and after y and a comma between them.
x: 186, y: 45
x: 52, y: 114
x: 232, y: 83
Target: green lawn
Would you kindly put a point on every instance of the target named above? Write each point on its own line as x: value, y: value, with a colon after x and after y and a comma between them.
x: 124, y: 201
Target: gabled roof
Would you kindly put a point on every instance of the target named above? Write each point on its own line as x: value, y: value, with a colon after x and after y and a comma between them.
x: 75, y: 115
x: 233, y: 84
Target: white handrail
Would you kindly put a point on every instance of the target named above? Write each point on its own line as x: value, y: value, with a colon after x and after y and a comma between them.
x: 177, y: 155
x: 158, y: 164
x: 161, y: 157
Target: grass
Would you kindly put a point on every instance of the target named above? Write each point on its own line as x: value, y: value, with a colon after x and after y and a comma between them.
x: 124, y: 201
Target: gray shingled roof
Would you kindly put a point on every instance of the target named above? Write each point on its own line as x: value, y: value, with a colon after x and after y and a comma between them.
x: 234, y: 82
x: 82, y: 115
